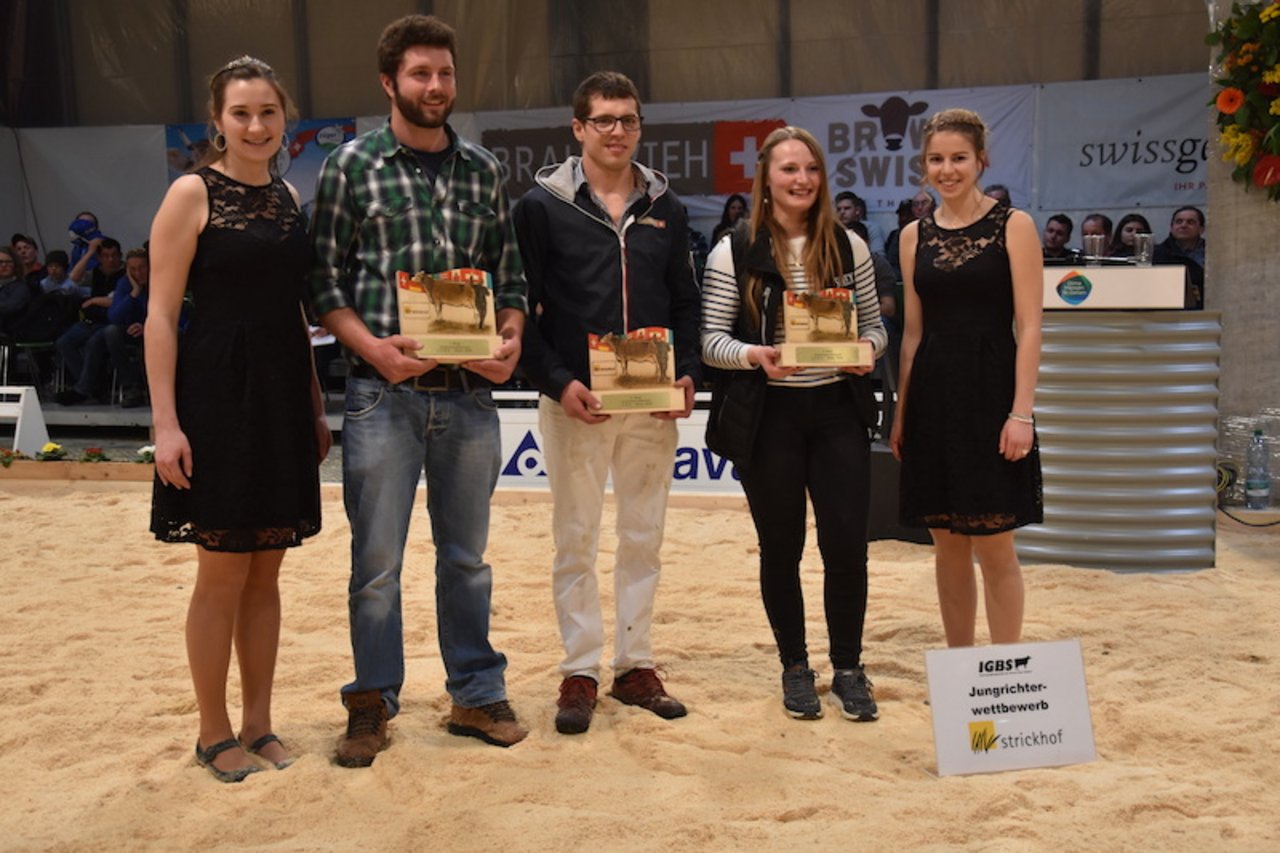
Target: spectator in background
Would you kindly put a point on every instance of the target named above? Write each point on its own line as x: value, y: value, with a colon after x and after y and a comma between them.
x: 1185, y: 245
x: 1001, y: 194
x: 1121, y: 245
x: 57, y: 267
x: 698, y: 249
x: 54, y: 306
x: 1096, y: 224
x: 102, y: 284
x: 886, y: 279
x: 905, y: 217
x: 117, y: 340
x: 850, y: 208
x: 123, y: 335
x: 14, y: 292
x: 84, y: 229
x: 1053, y: 246
x: 922, y: 204
x: 29, y: 254
x: 735, y: 207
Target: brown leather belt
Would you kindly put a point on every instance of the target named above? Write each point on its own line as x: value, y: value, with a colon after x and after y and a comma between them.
x: 435, y: 380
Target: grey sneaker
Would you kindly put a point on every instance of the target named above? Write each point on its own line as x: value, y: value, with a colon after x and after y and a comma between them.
x: 799, y: 695
x: 851, y: 693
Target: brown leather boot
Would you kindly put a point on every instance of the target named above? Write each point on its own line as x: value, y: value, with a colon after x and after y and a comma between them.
x: 494, y: 723
x: 366, y: 729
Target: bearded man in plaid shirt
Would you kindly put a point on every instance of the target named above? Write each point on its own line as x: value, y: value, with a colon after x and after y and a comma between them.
x: 413, y: 196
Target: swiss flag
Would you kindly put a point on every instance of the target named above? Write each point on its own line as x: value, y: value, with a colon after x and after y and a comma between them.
x: 737, y: 143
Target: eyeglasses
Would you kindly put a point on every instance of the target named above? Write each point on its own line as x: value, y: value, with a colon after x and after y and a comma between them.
x: 606, y: 124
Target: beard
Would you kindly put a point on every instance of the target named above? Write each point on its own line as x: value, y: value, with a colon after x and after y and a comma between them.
x: 416, y: 114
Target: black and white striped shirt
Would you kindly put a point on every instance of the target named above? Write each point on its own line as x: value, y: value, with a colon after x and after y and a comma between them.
x: 720, y: 306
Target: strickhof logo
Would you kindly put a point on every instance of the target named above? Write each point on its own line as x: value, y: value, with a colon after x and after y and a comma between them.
x: 982, y: 735
x: 983, y: 738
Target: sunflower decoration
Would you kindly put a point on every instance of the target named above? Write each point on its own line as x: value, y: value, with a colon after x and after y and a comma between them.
x: 1247, y: 77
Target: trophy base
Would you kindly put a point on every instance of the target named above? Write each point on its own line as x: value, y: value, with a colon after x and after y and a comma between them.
x: 619, y: 401
x: 847, y: 354
x: 455, y: 349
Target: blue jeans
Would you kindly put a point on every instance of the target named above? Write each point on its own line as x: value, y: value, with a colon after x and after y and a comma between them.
x: 71, y: 345
x: 389, y: 433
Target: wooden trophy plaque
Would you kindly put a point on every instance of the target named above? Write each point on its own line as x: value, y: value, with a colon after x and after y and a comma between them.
x: 635, y: 372
x: 821, y: 330
x: 450, y: 313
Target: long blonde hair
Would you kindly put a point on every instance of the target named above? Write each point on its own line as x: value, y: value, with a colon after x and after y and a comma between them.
x: 821, y: 259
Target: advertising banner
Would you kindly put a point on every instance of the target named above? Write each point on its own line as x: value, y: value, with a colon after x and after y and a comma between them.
x: 872, y: 142
x: 310, y: 141
x: 1123, y: 143
x: 696, y: 469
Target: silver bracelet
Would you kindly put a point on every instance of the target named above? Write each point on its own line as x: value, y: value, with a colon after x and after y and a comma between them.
x: 1022, y: 419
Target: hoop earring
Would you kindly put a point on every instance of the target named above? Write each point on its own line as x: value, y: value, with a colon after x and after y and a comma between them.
x: 284, y: 142
x: 218, y: 137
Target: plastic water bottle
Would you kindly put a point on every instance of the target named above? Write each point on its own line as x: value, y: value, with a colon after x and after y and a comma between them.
x: 1257, y: 478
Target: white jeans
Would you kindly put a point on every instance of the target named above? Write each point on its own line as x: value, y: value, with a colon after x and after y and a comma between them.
x: 640, y: 452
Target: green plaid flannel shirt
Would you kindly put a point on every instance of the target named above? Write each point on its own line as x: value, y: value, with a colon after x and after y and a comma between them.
x: 375, y: 214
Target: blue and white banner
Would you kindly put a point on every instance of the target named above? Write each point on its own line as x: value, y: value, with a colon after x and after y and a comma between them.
x: 696, y: 469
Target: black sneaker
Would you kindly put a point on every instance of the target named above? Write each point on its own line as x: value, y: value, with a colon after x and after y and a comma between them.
x: 799, y: 695
x: 851, y: 693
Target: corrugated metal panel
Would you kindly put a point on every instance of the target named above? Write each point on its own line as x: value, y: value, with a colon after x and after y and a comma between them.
x: 1126, y: 411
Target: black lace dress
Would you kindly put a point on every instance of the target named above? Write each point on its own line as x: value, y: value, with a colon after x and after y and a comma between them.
x: 243, y: 388
x: 961, y: 388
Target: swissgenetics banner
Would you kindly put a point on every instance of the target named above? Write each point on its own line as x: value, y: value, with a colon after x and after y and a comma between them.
x: 1140, y: 142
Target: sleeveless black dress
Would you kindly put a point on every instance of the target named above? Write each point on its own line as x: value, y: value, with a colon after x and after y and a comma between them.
x: 244, y: 379
x: 961, y: 388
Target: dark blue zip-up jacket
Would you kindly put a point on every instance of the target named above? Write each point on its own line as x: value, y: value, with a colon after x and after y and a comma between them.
x: 585, y: 276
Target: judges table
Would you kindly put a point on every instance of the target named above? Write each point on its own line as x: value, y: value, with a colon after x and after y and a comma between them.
x: 1126, y: 413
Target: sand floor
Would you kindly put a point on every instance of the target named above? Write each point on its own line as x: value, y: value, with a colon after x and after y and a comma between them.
x: 97, y: 716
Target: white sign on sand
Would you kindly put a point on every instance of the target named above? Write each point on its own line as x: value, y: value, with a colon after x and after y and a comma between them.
x: 1009, y: 707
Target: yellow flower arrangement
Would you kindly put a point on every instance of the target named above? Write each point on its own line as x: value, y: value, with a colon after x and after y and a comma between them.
x: 1247, y: 97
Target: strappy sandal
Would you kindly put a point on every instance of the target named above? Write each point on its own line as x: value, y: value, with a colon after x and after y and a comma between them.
x: 205, y: 757
x: 258, y: 745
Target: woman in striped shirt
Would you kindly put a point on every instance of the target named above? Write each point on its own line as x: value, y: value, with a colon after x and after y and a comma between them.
x: 808, y: 429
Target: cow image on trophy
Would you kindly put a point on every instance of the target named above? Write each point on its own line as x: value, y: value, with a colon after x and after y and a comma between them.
x: 634, y: 372
x: 450, y: 313
x: 821, y: 330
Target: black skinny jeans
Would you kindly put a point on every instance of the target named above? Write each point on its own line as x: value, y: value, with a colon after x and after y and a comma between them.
x: 811, y: 440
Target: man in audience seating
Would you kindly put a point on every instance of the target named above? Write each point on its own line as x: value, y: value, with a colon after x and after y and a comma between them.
x: 1185, y: 245
x: 102, y: 284
x: 850, y: 208
x: 118, y: 340
x: 1057, y: 231
x: 1097, y: 224
x: 1000, y: 193
x: 29, y: 253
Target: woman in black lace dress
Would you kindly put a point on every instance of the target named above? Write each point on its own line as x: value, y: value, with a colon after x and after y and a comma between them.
x: 972, y: 276
x: 237, y: 411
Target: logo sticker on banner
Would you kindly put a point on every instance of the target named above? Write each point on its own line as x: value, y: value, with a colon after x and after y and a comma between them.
x: 1009, y: 707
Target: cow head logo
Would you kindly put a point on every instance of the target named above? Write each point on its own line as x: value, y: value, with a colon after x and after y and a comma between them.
x: 894, y: 114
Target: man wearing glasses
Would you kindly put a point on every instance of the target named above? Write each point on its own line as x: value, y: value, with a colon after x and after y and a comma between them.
x: 605, y: 246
